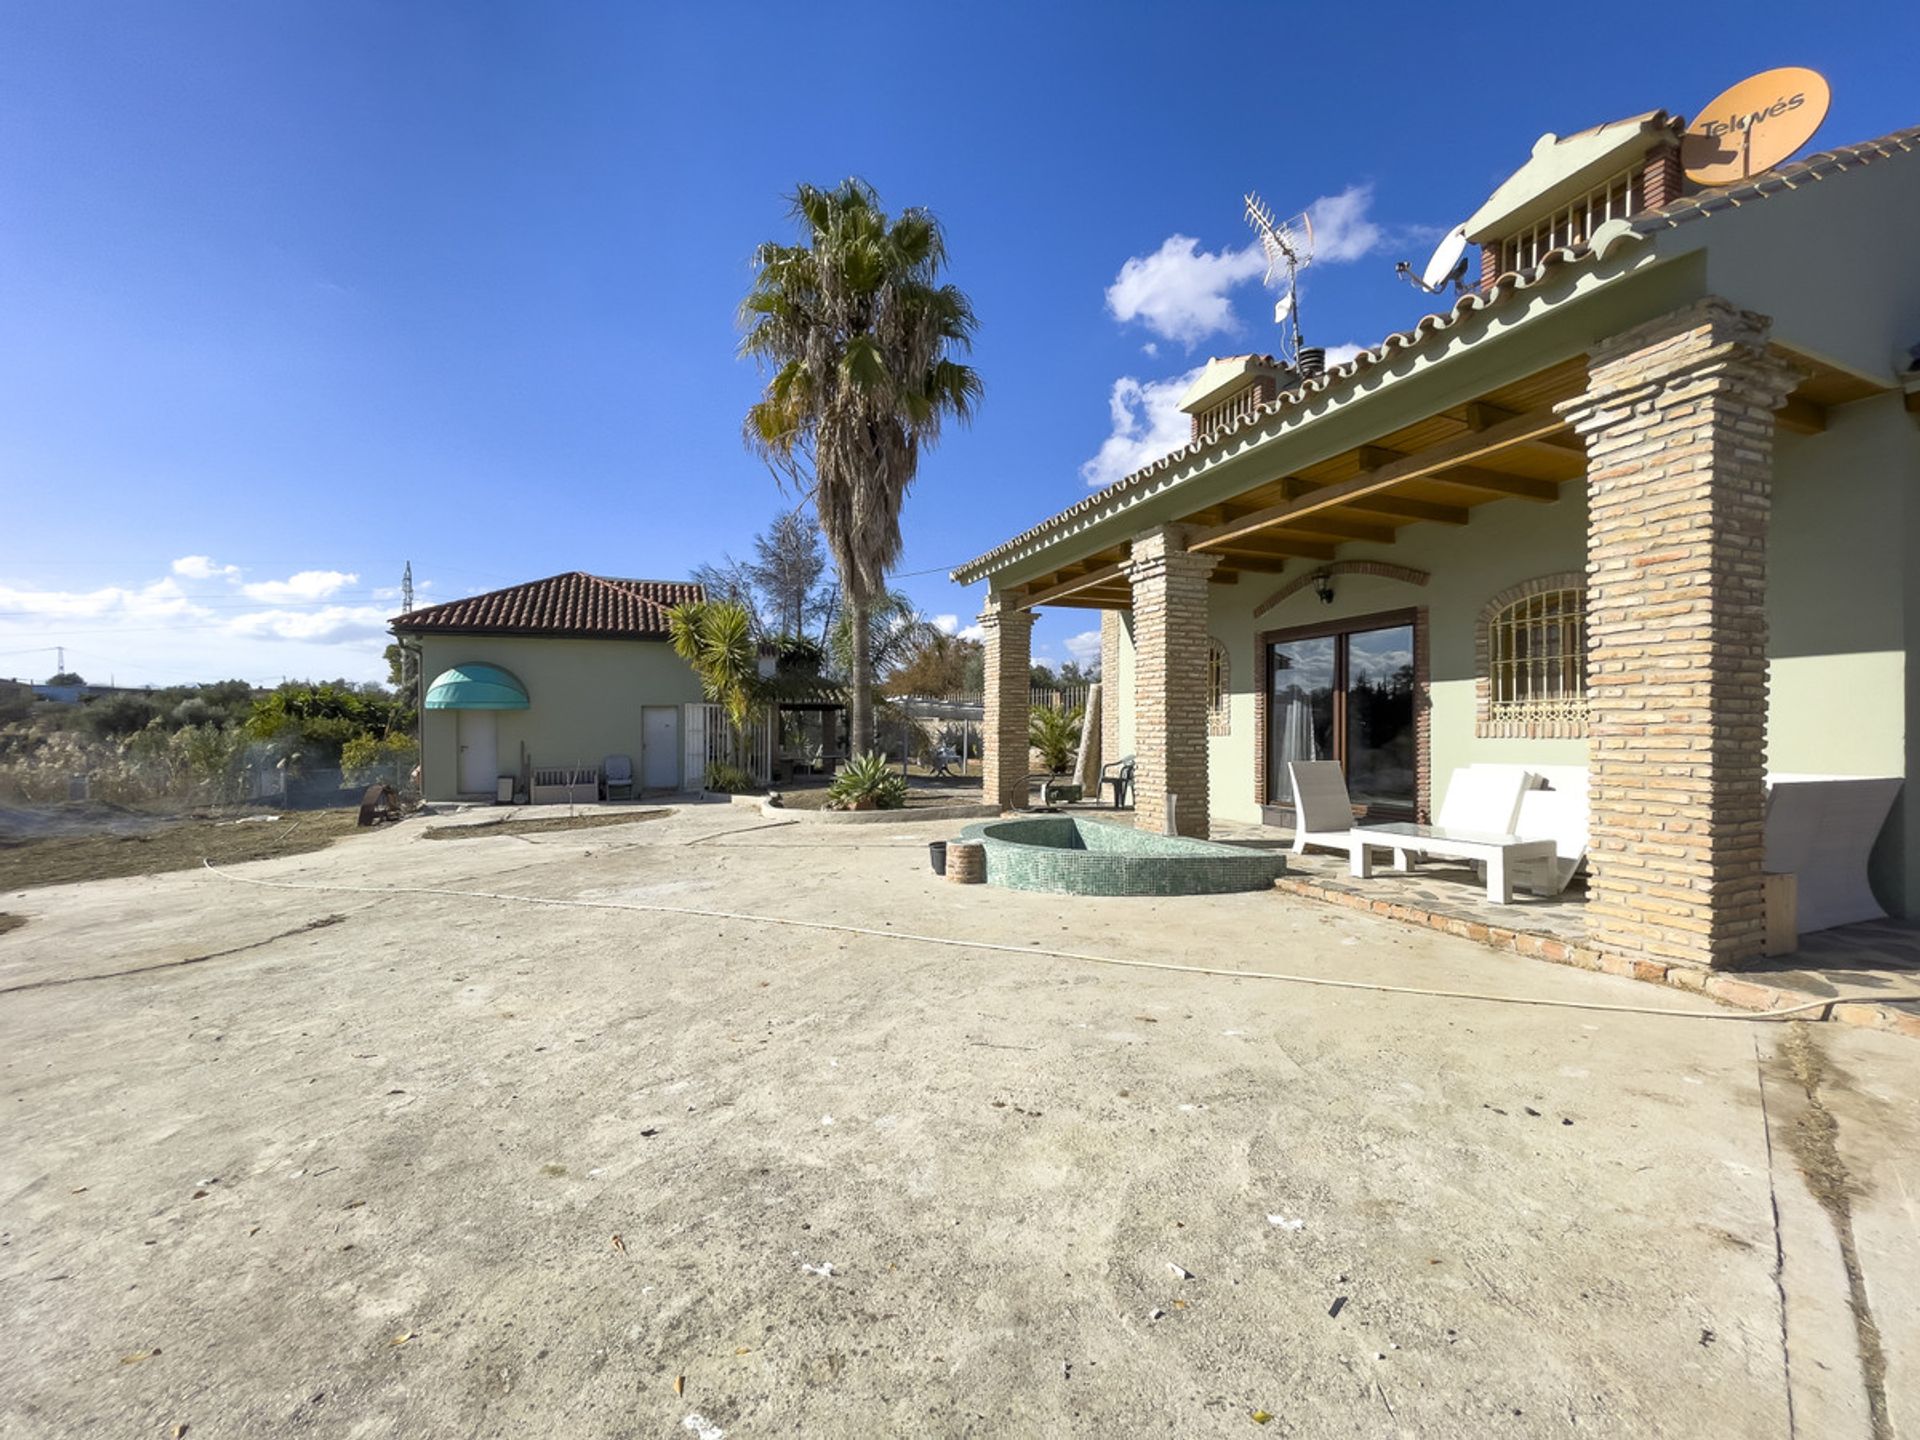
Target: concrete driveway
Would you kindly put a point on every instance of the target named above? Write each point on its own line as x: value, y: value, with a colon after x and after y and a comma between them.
x: 341, y: 1164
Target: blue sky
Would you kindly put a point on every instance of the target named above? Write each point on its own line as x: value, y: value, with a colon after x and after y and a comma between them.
x: 291, y: 294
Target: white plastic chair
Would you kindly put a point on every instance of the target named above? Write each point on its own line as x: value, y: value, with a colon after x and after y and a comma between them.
x: 619, y: 776
x: 1322, y: 811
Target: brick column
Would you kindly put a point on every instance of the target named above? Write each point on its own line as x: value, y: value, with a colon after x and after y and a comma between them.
x: 1003, y: 731
x: 1110, y: 698
x: 1169, y: 680
x: 1678, y: 423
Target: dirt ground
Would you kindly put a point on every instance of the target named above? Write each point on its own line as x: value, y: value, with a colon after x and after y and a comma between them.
x: 92, y: 845
x: 512, y: 822
x: 364, y: 1161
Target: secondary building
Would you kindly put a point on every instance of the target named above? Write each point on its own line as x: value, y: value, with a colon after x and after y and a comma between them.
x: 1642, y: 503
x: 554, y: 676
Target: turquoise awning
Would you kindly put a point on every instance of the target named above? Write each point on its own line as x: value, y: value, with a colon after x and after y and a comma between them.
x: 476, y: 687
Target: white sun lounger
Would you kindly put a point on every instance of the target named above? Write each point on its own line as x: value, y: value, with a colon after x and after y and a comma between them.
x: 1821, y: 829
x: 1322, y: 813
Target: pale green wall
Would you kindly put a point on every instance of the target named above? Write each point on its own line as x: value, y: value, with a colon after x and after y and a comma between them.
x: 1838, y: 610
x: 1503, y: 544
x: 1831, y: 263
x: 586, y: 700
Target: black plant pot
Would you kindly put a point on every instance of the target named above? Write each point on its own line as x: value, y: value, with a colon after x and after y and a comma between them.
x: 937, y: 856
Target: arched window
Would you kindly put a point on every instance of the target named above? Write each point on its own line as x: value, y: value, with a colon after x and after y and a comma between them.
x: 1532, y: 648
x: 1219, y: 687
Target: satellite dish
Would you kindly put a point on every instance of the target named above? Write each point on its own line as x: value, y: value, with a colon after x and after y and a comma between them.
x: 1447, y: 269
x: 1755, y: 125
x: 1288, y: 246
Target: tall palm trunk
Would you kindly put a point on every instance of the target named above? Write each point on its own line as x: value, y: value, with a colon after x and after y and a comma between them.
x: 860, y: 681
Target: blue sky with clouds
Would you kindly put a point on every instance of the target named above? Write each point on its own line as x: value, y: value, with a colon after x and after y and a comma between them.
x: 292, y: 294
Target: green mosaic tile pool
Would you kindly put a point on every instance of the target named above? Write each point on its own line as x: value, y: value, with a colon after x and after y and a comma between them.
x: 1068, y: 856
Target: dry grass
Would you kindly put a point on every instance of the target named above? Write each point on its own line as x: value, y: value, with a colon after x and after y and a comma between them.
x: 102, y: 855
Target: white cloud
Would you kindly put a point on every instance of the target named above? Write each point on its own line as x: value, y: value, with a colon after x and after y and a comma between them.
x: 201, y: 567
x: 174, y: 630
x: 1180, y: 291
x: 331, y: 624
x: 1147, y: 423
x: 1340, y: 354
x: 159, y: 600
x: 1084, y: 647
x: 1342, y: 230
x: 950, y: 625
x: 307, y: 585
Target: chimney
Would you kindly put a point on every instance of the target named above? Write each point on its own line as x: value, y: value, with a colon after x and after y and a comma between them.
x: 1231, y: 388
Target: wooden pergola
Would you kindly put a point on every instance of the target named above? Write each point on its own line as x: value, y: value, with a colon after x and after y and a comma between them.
x: 1507, y: 444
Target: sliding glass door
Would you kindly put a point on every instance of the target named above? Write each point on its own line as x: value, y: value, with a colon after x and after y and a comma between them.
x: 1345, y: 692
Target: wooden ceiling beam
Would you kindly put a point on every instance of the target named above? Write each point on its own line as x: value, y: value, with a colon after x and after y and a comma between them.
x: 1270, y: 546
x: 1055, y: 594
x: 1459, y: 450
x: 1263, y: 564
x: 1478, y: 415
x: 1498, y: 482
x: 1803, y: 417
x: 1342, y: 527
x: 1410, y: 509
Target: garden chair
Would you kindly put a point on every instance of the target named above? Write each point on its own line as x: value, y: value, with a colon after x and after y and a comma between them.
x: 618, y: 777
x: 1118, y: 774
x: 1322, y: 812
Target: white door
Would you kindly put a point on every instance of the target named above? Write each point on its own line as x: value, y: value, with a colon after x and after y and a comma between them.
x: 660, y: 747
x: 479, y: 752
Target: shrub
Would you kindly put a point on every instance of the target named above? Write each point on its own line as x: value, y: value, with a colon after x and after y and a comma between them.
x: 121, y: 715
x: 724, y: 779
x: 867, y: 778
x: 373, y: 759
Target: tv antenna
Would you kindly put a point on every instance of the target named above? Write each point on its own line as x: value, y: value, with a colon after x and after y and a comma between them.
x: 1288, y: 246
x: 1448, y: 267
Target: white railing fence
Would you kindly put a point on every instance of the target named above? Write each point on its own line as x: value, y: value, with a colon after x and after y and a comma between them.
x: 1061, y: 697
x: 712, y: 740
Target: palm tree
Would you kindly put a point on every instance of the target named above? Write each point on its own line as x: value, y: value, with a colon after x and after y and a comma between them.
x: 715, y: 637
x: 896, y: 631
x: 859, y: 336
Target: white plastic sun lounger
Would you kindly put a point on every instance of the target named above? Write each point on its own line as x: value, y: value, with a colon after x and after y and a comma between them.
x: 1322, y: 813
x: 1821, y: 829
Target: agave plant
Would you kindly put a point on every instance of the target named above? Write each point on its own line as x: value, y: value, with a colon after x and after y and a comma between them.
x: 867, y: 782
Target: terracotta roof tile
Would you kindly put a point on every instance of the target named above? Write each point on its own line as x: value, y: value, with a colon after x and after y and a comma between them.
x: 1689, y: 207
x: 573, y: 604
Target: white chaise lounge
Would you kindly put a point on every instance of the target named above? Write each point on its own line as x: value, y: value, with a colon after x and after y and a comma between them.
x: 1821, y: 829
x: 1322, y: 813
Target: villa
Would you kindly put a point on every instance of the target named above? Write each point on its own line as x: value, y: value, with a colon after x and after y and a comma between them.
x: 1642, y: 502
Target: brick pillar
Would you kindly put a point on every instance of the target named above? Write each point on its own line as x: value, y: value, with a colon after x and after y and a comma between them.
x: 1678, y: 423
x: 1110, y: 697
x: 1169, y: 680
x: 1003, y: 731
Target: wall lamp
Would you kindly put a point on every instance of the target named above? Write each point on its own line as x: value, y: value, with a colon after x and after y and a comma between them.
x: 1323, y: 587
